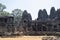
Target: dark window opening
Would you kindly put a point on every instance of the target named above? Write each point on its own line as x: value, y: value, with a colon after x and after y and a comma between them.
x: 34, y: 28
x: 24, y: 21
x: 44, y: 28
x: 5, y: 20
x: 55, y: 26
x: 59, y: 24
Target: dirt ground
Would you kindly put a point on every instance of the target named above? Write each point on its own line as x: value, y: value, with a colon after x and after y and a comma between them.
x: 27, y: 38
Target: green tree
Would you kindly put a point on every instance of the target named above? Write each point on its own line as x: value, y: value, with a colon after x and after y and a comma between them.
x: 2, y: 7
x: 17, y: 13
x: 4, y: 13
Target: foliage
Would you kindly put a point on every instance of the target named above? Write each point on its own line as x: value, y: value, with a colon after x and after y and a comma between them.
x: 17, y: 13
x: 4, y: 13
x: 2, y: 7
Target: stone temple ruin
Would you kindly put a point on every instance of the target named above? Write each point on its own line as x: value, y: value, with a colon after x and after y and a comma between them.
x: 6, y: 24
x: 43, y: 25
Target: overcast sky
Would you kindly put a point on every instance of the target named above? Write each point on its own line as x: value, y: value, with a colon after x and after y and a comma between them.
x: 32, y: 6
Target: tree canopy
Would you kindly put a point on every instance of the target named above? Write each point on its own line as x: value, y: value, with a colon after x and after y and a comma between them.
x: 17, y: 13
x: 2, y: 7
x: 2, y: 12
